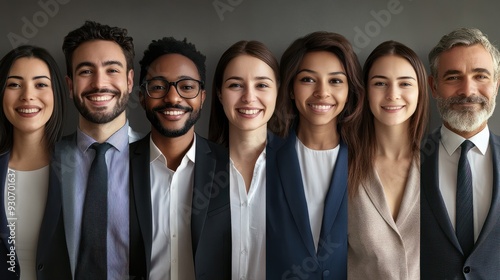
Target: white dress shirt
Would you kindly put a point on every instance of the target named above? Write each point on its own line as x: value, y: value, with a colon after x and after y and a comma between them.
x: 481, y: 163
x: 316, y: 168
x: 171, y: 200
x: 26, y: 193
x: 248, y: 222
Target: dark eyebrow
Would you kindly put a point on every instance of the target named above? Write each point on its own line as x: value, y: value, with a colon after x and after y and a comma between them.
x: 106, y: 63
x: 314, y: 72
x: 241, y: 79
x: 398, y: 78
x: 21, y: 78
x: 475, y: 70
x: 178, y: 78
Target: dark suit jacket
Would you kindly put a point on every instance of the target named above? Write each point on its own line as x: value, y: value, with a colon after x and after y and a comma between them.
x: 5, y: 261
x: 53, y: 254
x: 290, y: 252
x: 210, y: 218
x: 441, y: 256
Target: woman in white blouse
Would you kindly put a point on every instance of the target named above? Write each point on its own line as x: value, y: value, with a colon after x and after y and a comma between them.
x: 244, y: 94
x: 31, y: 118
x: 384, y: 174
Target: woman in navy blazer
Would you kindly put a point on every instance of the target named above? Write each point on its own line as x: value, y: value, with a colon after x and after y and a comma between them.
x: 31, y: 118
x: 306, y: 217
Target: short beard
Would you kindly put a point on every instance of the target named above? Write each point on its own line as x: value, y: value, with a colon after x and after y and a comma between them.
x: 465, y: 120
x: 100, y: 116
x: 156, y: 123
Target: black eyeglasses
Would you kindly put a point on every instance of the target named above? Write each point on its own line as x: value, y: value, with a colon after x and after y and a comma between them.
x: 187, y: 88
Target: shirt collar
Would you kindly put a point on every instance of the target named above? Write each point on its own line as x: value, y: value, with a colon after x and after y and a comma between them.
x: 119, y: 139
x: 451, y: 141
x: 155, y: 153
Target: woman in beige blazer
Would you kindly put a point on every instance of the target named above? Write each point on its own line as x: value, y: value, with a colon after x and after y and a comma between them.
x: 384, y: 175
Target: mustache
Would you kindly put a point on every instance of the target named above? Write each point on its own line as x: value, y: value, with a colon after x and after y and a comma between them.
x: 474, y: 99
x: 100, y: 90
x: 172, y: 106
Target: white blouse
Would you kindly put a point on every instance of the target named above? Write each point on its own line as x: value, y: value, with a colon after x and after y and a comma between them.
x: 316, y: 168
x: 25, y: 198
x: 248, y: 222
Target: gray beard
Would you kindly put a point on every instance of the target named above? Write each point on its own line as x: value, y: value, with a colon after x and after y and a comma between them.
x: 465, y: 120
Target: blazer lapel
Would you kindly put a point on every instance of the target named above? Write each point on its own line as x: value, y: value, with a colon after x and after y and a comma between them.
x: 430, y: 186
x: 4, y: 165
x: 293, y: 188
x: 141, y: 192
x: 336, y: 193
x: 493, y: 218
x: 204, y: 170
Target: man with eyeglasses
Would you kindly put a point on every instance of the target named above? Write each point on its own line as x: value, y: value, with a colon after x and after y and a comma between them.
x: 179, y: 179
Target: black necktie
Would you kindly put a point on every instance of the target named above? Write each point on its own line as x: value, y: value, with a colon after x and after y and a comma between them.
x: 464, y: 219
x: 92, y: 255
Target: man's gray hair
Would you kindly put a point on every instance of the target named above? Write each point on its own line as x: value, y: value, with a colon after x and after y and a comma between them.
x: 463, y: 37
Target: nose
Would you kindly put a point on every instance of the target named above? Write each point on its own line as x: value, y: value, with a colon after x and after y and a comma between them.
x: 99, y: 80
x: 468, y: 87
x: 393, y: 93
x: 28, y: 93
x: 248, y: 95
x: 172, y: 95
x: 322, y: 90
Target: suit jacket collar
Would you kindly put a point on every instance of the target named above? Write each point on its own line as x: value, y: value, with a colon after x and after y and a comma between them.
x: 293, y: 188
x: 4, y: 165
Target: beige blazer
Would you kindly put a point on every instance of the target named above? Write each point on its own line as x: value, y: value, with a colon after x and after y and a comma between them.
x: 379, y: 247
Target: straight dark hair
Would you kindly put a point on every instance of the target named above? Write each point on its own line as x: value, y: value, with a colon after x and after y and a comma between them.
x: 361, y: 133
x: 286, y: 111
x: 53, y: 127
x: 219, y: 124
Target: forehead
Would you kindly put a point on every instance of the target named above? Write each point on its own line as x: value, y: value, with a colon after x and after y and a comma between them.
x: 392, y: 64
x: 465, y: 59
x: 29, y: 66
x: 172, y: 66
x: 249, y: 66
x: 321, y: 59
x: 98, y: 51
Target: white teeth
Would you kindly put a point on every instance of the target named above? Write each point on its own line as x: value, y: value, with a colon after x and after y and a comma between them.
x: 321, y: 107
x: 28, y: 111
x: 173, y: 113
x: 100, y: 98
x: 392, y: 108
x: 248, y: 112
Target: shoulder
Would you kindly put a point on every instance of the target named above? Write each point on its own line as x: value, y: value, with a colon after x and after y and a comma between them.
x: 141, y: 144
x: 205, y: 146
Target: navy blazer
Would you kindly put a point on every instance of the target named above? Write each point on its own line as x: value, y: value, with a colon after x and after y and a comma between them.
x: 290, y: 252
x: 441, y: 256
x: 211, y: 217
x: 6, y: 262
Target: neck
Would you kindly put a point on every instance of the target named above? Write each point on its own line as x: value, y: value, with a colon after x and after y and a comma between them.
x: 246, y: 145
x: 392, y: 141
x: 101, y: 132
x: 324, y: 137
x: 173, y: 148
x: 29, y: 152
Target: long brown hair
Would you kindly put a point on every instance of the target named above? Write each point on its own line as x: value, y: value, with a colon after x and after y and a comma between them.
x: 286, y: 110
x: 361, y: 132
x: 219, y: 124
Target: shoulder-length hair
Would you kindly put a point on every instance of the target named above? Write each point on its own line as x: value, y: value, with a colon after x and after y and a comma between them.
x: 362, y: 141
x: 53, y: 128
x: 219, y: 124
x: 286, y: 110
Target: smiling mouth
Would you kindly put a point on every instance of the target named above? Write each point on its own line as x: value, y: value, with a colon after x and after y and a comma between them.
x: 172, y: 113
x: 99, y: 98
x: 29, y: 111
x: 392, y: 107
x: 248, y: 111
x: 321, y: 107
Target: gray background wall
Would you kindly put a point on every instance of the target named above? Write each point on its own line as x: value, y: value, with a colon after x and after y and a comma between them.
x: 214, y: 25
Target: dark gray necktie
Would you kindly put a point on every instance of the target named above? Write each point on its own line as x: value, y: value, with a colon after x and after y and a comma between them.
x: 92, y: 255
x: 464, y: 219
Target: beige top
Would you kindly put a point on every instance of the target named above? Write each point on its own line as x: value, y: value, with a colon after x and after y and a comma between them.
x: 379, y: 247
